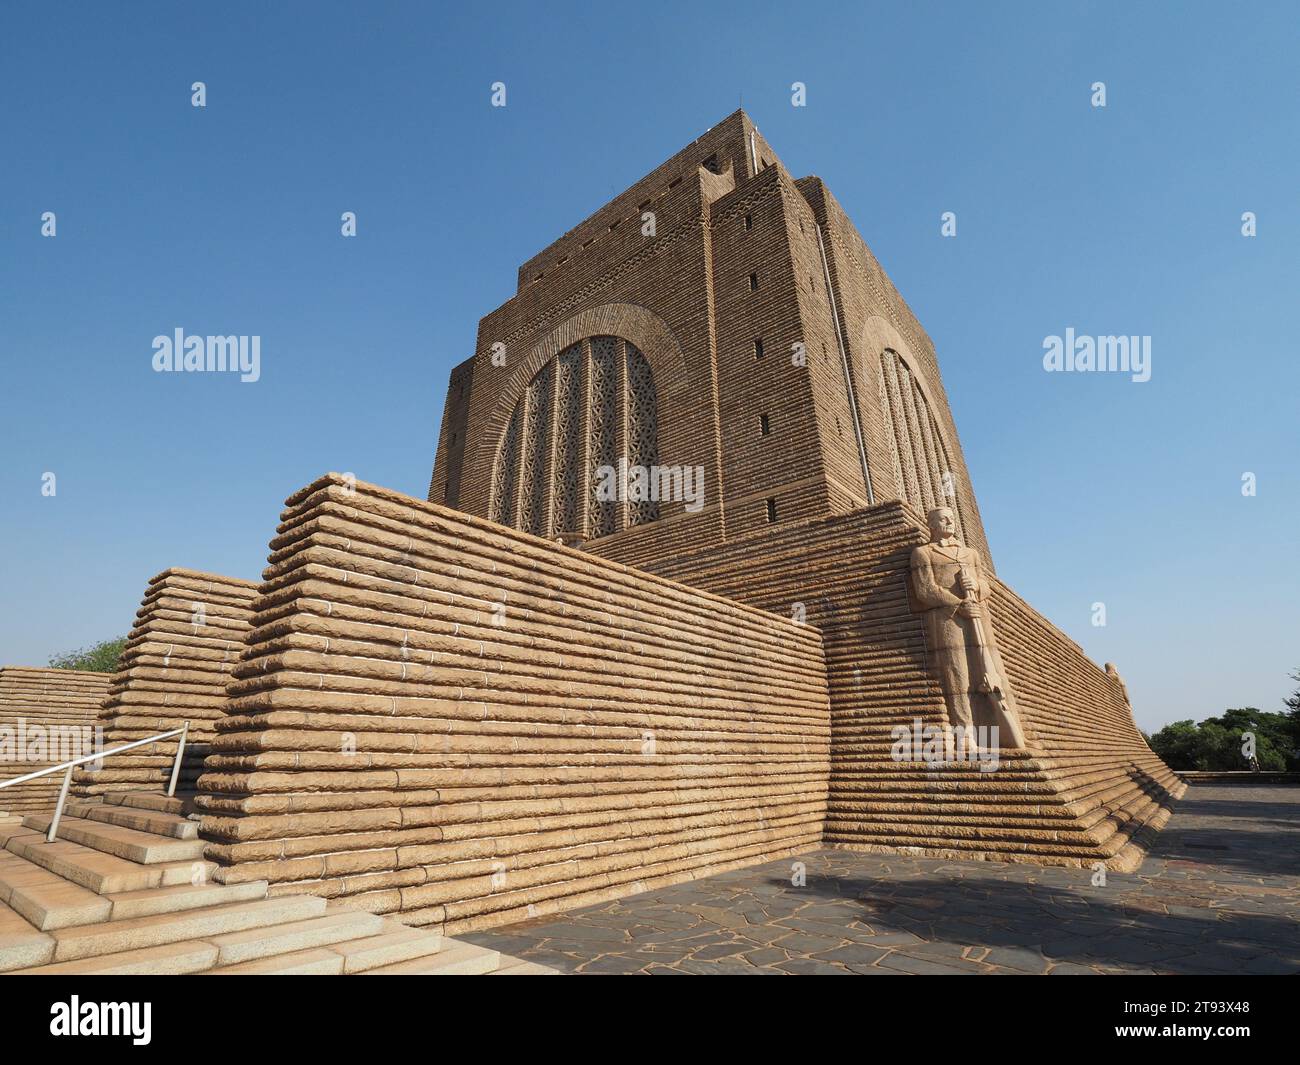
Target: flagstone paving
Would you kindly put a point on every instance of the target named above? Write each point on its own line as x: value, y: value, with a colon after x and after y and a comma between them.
x: 1219, y: 894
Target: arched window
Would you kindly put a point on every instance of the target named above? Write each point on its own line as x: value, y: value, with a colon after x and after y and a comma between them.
x: 922, y: 469
x: 592, y: 404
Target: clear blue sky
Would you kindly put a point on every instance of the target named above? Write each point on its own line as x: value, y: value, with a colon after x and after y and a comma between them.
x: 226, y: 220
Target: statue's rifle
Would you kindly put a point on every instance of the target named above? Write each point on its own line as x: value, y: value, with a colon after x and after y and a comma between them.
x: 990, y: 681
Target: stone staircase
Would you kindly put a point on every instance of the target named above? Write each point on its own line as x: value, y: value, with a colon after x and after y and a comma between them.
x: 125, y: 889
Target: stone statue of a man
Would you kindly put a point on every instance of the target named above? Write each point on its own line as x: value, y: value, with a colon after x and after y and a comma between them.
x: 949, y: 584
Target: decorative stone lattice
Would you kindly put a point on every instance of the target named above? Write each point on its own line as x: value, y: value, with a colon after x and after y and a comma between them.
x: 604, y: 427
x: 568, y: 439
x: 641, y: 429
x: 590, y: 405
x: 534, y: 518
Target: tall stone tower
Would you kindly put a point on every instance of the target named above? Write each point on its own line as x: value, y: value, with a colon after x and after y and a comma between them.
x: 720, y: 315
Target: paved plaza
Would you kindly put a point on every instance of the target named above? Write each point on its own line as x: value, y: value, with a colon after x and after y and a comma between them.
x: 1219, y: 893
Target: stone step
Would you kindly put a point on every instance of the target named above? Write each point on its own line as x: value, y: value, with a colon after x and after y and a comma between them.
x: 89, y: 941
x: 144, y: 848
x: 176, y: 898
x: 21, y: 945
x: 158, y: 823
x: 907, y: 777
x: 950, y: 804
x: 145, y: 800
x: 357, y: 955
x: 295, y: 937
x: 1091, y: 779
x: 994, y: 823
x: 396, y: 943
x: 1123, y: 820
x: 169, y: 959
x: 319, y: 962
x: 1117, y: 797
x: 347, y: 945
x: 987, y: 836
x: 103, y: 873
x: 456, y: 958
x: 44, y: 898
x: 1083, y: 779
x: 883, y: 745
x: 850, y: 835
x: 1099, y: 794
x: 128, y: 775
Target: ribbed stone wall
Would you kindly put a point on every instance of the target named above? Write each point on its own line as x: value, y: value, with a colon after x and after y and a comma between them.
x: 189, y: 632
x: 1088, y: 788
x: 441, y: 716
x: 47, y: 716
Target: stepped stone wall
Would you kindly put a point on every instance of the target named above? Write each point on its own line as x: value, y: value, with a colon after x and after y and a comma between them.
x: 441, y: 716
x: 188, y: 635
x: 1087, y: 789
x: 47, y: 716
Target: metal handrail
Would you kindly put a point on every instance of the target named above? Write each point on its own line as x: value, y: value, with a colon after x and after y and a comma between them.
x: 69, y: 766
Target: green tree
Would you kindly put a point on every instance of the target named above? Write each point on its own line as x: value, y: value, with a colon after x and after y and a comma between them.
x: 97, y: 658
x: 1217, y: 742
x: 1177, y: 744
